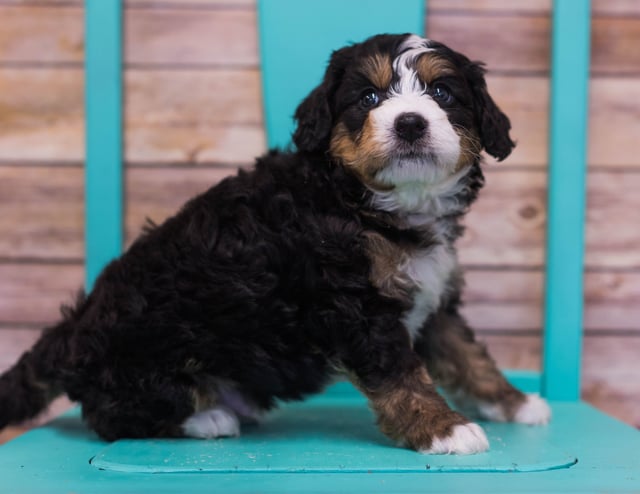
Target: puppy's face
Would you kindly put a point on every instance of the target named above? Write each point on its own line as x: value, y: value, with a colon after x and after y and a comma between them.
x: 401, y: 110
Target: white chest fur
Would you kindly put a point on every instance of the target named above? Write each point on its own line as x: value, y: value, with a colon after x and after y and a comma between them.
x: 430, y: 271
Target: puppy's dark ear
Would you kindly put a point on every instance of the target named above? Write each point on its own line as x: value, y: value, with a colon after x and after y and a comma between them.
x: 493, y: 124
x: 314, y: 115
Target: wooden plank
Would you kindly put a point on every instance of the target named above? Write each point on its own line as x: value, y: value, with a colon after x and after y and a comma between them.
x: 170, y: 116
x: 191, y: 37
x: 614, y: 43
x: 612, y: 115
x: 41, y: 34
x: 610, y: 375
x: 504, y: 43
x: 615, y: 7
x: 45, y: 205
x: 41, y: 114
x: 505, y: 228
x: 512, y: 206
x: 159, y: 194
x: 192, y: 97
x: 509, y: 37
x: 609, y: 369
x: 13, y: 342
x: 42, y: 212
x: 533, y: 6
x: 613, y: 198
x: 216, y: 115
x: 231, y: 144
x: 512, y: 300
x: 171, y: 36
x: 32, y: 293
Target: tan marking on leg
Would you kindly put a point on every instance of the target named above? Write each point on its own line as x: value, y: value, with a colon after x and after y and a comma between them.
x: 464, y: 368
x: 412, y: 412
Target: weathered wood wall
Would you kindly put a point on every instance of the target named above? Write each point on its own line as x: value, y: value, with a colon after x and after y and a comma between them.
x: 193, y: 115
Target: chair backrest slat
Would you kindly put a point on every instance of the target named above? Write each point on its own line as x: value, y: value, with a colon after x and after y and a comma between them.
x: 103, y: 165
x: 297, y: 37
x: 562, y: 347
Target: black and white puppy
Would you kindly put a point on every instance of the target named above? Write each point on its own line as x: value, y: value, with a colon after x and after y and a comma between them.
x: 336, y: 259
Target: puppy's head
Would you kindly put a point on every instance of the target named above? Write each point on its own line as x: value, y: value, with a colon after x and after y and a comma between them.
x: 400, y: 109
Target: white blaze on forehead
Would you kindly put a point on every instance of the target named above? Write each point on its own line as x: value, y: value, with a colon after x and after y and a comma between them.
x: 404, y: 65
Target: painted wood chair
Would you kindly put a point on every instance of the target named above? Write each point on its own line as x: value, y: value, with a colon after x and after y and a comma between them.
x: 329, y: 443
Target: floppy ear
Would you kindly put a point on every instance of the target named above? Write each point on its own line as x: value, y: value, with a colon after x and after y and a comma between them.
x: 493, y: 124
x: 314, y: 121
x: 314, y: 115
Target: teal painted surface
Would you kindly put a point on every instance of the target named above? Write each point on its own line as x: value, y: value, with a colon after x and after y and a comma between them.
x: 297, y: 38
x: 524, y: 380
x: 566, y: 200
x: 334, y: 433
x: 103, y: 169
x: 56, y: 459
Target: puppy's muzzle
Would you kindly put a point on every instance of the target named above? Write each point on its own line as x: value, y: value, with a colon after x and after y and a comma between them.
x: 410, y: 127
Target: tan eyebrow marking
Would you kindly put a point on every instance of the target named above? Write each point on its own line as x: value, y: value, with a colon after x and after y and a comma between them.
x: 431, y: 67
x: 378, y: 70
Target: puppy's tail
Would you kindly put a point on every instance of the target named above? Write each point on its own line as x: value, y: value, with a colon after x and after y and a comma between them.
x: 35, y: 380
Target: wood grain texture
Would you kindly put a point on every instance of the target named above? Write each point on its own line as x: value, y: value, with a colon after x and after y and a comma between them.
x: 170, y: 116
x: 466, y: 6
x: 506, y: 43
x: 609, y: 375
x: 505, y: 228
x: 215, y: 116
x: 45, y: 205
x: 509, y: 40
x: 31, y: 293
x: 189, y: 37
x: 41, y: 34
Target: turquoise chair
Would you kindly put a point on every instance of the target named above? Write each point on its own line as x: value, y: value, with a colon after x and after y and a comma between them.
x: 329, y: 443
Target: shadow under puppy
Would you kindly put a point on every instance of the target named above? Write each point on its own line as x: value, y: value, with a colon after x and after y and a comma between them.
x: 337, y: 258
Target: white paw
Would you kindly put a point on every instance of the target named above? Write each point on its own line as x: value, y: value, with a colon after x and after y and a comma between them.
x: 215, y: 422
x: 534, y: 411
x: 466, y: 439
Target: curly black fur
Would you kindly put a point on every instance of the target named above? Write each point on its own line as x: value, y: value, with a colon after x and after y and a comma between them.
x: 263, y: 281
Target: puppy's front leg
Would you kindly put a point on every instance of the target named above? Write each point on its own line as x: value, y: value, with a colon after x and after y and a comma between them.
x: 408, y: 407
x: 464, y: 368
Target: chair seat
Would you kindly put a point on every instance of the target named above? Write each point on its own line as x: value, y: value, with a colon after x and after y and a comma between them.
x: 329, y: 444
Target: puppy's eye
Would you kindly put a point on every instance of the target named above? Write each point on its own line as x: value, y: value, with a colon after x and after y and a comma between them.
x: 369, y: 99
x: 441, y: 93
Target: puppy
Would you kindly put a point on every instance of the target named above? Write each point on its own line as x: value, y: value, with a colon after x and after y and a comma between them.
x: 338, y: 258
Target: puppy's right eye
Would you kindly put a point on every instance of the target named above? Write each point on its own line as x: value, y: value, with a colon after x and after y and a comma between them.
x: 369, y: 99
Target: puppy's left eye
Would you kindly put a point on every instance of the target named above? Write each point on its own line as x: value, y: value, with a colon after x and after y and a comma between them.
x: 441, y: 93
x: 369, y: 99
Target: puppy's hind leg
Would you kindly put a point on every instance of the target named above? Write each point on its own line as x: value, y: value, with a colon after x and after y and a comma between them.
x: 155, y: 409
x: 220, y: 410
x: 471, y: 378
x: 218, y: 421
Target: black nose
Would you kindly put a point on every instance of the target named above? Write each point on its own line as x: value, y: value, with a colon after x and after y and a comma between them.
x: 410, y: 126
